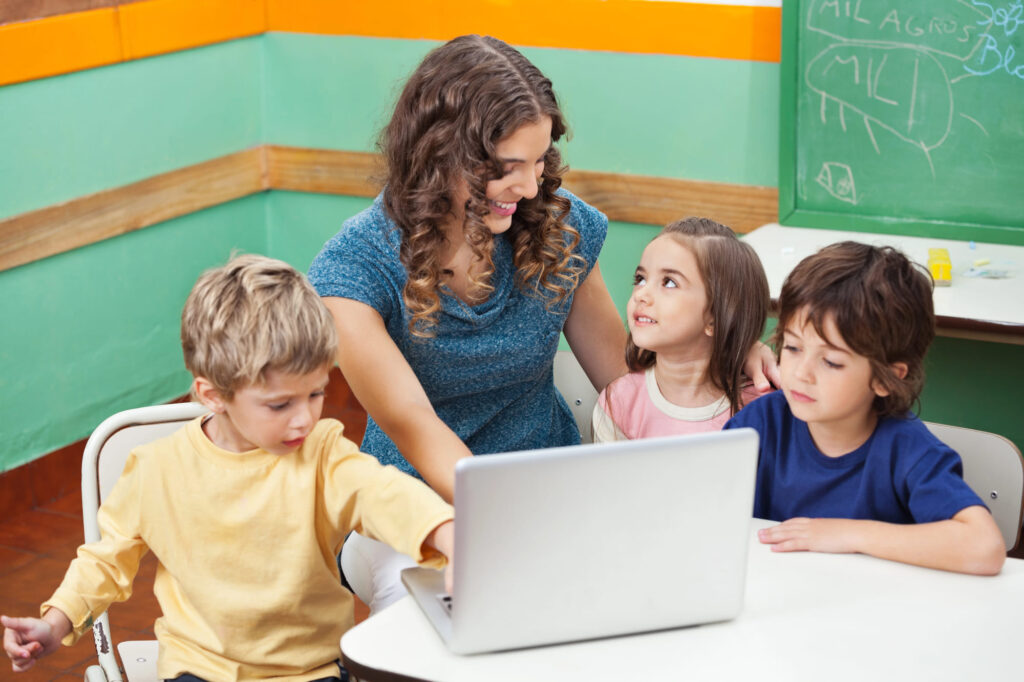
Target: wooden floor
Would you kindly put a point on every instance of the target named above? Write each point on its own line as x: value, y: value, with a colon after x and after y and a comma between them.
x: 36, y: 547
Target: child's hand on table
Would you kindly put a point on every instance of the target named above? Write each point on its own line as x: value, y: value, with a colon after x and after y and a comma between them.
x: 815, y: 535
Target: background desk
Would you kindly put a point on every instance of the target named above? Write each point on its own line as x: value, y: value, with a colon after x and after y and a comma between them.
x: 977, y: 308
x: 807, y: 617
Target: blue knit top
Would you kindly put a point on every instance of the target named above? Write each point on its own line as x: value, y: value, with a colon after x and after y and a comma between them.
x: 488, y: 369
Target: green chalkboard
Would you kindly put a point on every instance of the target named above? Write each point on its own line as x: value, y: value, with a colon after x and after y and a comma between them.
x: 904, y: 116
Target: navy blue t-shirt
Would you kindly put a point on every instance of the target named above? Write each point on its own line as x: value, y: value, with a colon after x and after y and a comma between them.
x: 488, y: 369
x: 902, y: 474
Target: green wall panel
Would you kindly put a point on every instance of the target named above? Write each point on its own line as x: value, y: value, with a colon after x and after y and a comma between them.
x: 335, y: 92
x: 96, y: 330
x: 298, y: 224
x: 682, y: 117
x: 80, y: 133
x: 676, y: 117
x: 974, y: 384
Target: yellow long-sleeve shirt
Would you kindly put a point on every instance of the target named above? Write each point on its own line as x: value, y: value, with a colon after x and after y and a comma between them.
x: 247, y: 579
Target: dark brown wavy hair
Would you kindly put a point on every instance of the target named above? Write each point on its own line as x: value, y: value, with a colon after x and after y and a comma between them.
x: 881, y: 303
x: 738, y: 299
x: 463, y: 99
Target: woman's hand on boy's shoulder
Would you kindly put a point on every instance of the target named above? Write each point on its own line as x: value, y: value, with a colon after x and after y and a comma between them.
x: 812, y: 535
x: 762, y: 368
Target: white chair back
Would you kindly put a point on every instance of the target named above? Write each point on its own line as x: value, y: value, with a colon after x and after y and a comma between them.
x: 574, y: 385
x: 995, y: 471
x: 103, y: 460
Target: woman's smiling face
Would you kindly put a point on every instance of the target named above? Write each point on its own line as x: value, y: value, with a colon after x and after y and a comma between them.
x: 522, y: 160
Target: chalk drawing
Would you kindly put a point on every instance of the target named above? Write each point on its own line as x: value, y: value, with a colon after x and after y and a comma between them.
x: 837, y: 179
x: 888, y: 63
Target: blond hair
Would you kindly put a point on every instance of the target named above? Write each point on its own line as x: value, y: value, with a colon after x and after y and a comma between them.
x: 253, y: 315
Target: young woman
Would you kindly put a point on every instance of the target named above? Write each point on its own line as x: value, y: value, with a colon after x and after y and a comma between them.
x: 450, y: 292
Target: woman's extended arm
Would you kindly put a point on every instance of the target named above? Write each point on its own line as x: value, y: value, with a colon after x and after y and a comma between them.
x: 595, y: 331
x: 385, y: 384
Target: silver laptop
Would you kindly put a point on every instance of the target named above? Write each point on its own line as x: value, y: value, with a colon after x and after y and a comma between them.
x: 595, y: 540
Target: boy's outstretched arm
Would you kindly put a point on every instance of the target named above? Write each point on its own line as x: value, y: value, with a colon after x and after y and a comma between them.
x: 26, y: 640
x: 442, y: 539
x: 970, y: 542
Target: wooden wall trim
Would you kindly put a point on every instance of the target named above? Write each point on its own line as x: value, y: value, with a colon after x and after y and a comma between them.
x: 626, y: 198
x: 79, y: 222
x: 27, y: 10
x: 324, y: 171
x: 658, y: 201
x: 76, y: 223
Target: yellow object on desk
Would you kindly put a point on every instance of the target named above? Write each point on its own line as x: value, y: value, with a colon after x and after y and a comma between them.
x: 940, y: 266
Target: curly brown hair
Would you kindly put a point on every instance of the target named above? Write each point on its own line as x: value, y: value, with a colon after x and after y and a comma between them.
x: 881, y: 303
x: 738, y: 299
x: 464, y: 98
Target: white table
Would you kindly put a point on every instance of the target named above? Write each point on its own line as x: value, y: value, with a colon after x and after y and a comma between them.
x: 986, y: 309
x: 807, y: 617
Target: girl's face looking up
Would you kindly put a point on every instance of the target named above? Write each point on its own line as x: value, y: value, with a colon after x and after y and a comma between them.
x: 522, y: 158
x: 667, y: 312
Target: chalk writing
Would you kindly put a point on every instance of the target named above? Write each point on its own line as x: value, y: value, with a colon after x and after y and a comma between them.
x: 1006, y: 18
x: 996, y: 54
x: 885, y: 65
x: 886, y: 84
x: 952, y: 32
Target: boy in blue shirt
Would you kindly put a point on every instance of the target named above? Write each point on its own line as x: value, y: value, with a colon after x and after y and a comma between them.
x: 843, y: 462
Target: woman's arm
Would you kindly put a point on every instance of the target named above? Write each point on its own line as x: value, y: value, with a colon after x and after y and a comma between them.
x: 384, y: 383
x: 595, y: 331
x: 970, y: 542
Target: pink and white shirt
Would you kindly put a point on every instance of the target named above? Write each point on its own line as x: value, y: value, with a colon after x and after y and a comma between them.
x: 641, y: 411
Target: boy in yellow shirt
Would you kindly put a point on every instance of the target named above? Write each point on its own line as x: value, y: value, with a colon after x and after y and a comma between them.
x: 245, y: 508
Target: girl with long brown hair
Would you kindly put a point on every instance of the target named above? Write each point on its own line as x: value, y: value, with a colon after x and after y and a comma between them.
x: 699, y: 302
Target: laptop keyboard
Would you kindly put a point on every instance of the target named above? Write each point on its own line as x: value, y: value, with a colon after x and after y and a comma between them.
x: 446, y: 602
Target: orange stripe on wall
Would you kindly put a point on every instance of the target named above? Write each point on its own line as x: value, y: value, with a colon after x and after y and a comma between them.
x: 83, y: 40
x: 161, y: 26
x: 679, y: 28
x: 47, y: 47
